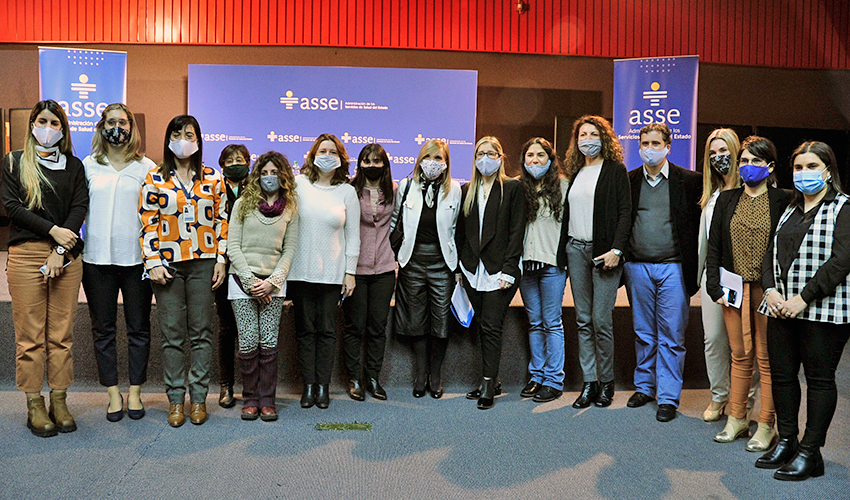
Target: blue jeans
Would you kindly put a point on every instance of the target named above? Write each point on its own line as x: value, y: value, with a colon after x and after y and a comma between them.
x: 660, y: 307
x: 543, y: 295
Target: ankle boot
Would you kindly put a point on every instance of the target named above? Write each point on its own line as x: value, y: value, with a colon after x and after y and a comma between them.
x: 589, y: 395
x: 784, y: 451
x: 267, y: 383
x: 606, y: 395
x: 37, y: 419
x: 308, y: 395
x: 735, y: 428
x: 59, y: 411
x: 808, y: 463
x: 476, y: 393
x: 488, y: 394
x: 323, y: 397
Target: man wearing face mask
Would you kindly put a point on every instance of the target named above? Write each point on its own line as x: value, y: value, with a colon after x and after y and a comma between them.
x: 233, y: 161
x: 661, y: 269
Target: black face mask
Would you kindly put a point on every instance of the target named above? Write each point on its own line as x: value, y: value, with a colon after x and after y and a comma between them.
x: 236, y: 173
x: 372, y: 173
x: 116, y: 136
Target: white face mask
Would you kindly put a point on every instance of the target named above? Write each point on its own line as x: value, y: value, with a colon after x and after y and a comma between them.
x: 432, y: 168
x: 327, y: 163
x: 183, y: 149
x: 46, y: 136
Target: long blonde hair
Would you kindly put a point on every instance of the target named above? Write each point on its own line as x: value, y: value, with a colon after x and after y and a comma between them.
x: 252, y: 192
x: 711, y: 179
x: 477, y: 178
x: 98, y: 146
x: 432, y: 147
x: 32, y: 178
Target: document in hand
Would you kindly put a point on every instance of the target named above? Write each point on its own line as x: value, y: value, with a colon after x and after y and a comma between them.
x: 733, y: 287
x: 461, y: 306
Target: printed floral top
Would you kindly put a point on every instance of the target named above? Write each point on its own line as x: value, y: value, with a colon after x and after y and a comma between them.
x: 173, y: 231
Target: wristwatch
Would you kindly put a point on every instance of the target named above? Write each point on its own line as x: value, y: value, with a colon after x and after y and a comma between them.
x: 618, y: 253
x: 60, y: 250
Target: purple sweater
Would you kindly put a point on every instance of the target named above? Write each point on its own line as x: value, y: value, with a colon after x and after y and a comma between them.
x: 376, y: 256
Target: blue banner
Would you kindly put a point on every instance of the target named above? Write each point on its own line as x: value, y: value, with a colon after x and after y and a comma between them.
x: 284, y: 108
x: 83, y: 82
x: 659, y: 89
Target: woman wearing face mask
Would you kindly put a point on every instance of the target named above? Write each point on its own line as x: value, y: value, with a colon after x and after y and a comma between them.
x: 367, y: 310
x: 233, y: 161
x: 805, y: 278
x: 322, y: 272
x: 112, y: 258
x: 598, y: 218
x: 46, y: 198
x: 544, y: 274
x: 489, y: 238
x: 262, y: 236
x: 184, y: 238
x: 743, y: 224
x: 427, y: 206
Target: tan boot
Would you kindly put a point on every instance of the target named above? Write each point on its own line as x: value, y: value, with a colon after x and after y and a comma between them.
x: 37, y: 420
x: 59, y: 411
x: 735, y: 428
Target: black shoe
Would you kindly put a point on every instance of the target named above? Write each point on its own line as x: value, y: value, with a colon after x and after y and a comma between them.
x: 308, y: 395
x: 665, y: 413
x: 420, y: 390
x: 530, y: 389
x: 784, y: 451
x: 606, y: 395
x: 488, y: 394
x: 225, y: 397
x: 589, y: 393
x: 638, y: 399
x: 115, y: 416
x: 375, y: 389
x: 546, y: 394
x: 437, y: 392
x: 476, y: 393
x: 808, y: 463
x: 323, y: 397
x: 355, y: 390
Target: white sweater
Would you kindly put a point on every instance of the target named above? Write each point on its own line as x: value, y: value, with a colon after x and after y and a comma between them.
x: 328, y: 233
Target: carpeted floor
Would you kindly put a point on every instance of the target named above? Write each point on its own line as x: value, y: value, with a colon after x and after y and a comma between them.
x: 417, y: 449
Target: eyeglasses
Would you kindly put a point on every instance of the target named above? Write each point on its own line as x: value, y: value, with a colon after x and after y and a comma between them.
x: 493, y: 155
x: 121, y: 123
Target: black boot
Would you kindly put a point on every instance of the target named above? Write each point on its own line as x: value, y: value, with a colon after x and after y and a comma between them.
x: 488, y: 394
x: 808, y: 463
x: 606, y: 395
x: 784, y: 451
x: 375, y: 389
x: 308, y: 396
x: 323, y: 397
x: 589, y: 395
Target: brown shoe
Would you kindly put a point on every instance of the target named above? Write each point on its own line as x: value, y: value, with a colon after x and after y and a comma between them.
x: 250, y: 413
x: 59, y: 411
x: 268, y: 413
x: 37, y: 419
x: 175, y: 415
x: 198, y: 415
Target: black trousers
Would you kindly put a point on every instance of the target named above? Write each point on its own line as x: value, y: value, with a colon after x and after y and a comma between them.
x: 227, y: 333
x: 818, y: 347
x: 366, y: 313
x: 489, y: 321
x: 101, y: 284
x: 315, y: 306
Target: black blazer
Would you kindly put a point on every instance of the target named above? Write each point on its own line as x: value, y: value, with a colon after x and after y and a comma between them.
x: 720, y: 237
x: 685, y: 193
x: 612, y: 208
x: 500, y: 246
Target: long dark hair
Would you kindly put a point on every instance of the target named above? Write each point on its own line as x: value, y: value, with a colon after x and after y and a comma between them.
x: 827, y: 156
x: 311, y: 171
x: 169, y: 160
x: 612, y: 150
x: 763, y: 148
x: 386, y: 181
x: 550, y: 183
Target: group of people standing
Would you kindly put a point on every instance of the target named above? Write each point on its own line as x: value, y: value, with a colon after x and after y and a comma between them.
x: 240, y: 239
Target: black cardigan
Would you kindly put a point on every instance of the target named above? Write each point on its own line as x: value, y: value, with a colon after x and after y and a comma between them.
x: 500, y: 246
x: 685, y: 189
x: 720, y: 237
x: 65, y: 205
x: 612, y: 211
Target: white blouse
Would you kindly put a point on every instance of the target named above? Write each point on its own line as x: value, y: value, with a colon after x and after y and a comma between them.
x: 113, y: 223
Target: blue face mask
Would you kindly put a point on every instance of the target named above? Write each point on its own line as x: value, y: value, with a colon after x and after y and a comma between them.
x: 270, y: 183
x: 538, y: 171
x: 653, y: 157
x: 809, y: 181
x: 590, y: 147
x: 754, y: 174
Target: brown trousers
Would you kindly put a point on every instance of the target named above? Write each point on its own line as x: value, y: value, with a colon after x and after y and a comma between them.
x: 747, y: 331
x: 44, y: 315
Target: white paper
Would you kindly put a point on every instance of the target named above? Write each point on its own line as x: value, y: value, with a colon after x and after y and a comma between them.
x: 461, y: 306
x: 730, y: 282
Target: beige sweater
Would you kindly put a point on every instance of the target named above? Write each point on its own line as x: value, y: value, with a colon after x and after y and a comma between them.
x: 262, y: 246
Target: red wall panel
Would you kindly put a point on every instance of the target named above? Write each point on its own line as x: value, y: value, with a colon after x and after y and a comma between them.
x: 810, y: 34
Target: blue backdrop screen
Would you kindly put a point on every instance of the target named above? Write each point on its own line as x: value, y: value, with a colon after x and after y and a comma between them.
x: 284, y: 108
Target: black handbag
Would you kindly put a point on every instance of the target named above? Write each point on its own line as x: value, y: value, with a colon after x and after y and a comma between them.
x: 397, y: 236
